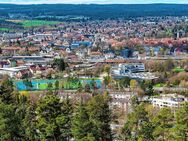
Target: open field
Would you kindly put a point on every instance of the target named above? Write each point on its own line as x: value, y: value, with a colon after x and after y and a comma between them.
x: 177, y: 70
x: 5, y: 29
x: 159, y: 85
x: 34, y: 23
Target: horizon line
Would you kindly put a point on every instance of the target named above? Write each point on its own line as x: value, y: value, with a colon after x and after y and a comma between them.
x: 12, y: 3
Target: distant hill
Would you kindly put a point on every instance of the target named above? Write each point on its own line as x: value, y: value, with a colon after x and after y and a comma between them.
x: 96, y: 11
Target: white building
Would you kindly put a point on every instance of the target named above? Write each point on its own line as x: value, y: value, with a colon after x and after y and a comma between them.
x: 122, y: 69
x: 17, y: 72
x: 133, y: 71
x: 109, y: 55
x: 168, y: 100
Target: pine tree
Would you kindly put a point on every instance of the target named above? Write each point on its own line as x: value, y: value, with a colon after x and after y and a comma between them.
x: 107, y: 80
x: 29, y: 123
x: 53, y: 119
x: 56, y: 84
x: 181, y: 126
x: 50, y: 86
x: 81, y: 125
x: 20, y: 112
x: 125, y: 132
x: 163, y: 124
x: 88, y: 138
x: 65, y: 120
x: 60, y: 64
x: 9, y: 123
x: 100, y: 116
x: 28, y: 84
x: 6, y: 89
x: 12, y: 111
x: 138, y: 125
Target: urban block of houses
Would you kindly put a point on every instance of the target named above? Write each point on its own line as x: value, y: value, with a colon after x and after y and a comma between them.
x: 8, y: 36
x: 96, y: 57
x: 77, y: 44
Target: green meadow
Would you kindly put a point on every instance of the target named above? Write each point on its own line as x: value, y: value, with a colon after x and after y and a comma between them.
x: 35, y: 23
x: 177, y: 70
x: 5, y: 29
x: 159, y: 85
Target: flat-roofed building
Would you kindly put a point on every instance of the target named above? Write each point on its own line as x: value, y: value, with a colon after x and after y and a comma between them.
x: 37, y: 60
x: 132, y: 70
x: 168, y: 100
x: 17, y: 72
x: 128, y: 68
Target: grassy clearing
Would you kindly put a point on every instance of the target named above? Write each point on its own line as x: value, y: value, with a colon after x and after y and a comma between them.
x: 5, y: 29
x: 37, y: 23
x: 159, y: 85
x: 34, y: 23
x: 177, y: 70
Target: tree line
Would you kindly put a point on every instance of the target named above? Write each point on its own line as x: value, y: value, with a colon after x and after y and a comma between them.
x: 146, y: 123
x: 52, y: 118
x: 96, y: 11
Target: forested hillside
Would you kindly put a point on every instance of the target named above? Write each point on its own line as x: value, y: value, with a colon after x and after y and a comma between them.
x: 96, y: 11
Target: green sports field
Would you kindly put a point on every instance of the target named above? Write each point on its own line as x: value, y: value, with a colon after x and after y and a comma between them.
x: 66, y: 84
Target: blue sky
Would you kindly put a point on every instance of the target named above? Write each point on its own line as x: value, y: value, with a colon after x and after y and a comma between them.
x: 94, y: 1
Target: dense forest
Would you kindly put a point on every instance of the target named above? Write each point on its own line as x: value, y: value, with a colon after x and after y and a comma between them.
x: 96, y: 11
x: 10, y: 24
x: 49, y: 118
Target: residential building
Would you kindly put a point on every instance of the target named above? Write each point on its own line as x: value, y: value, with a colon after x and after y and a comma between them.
x: 168, y: 100
x: 121, y: 99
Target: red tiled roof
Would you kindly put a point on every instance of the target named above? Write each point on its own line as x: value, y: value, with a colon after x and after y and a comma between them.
x: 95, y: 53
